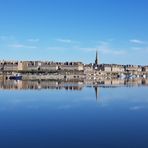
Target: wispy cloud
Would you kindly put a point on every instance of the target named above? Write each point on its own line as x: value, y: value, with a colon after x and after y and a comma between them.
x: 111, y: 51
x: 33, y: 40
x: 22, y: 46
x: 102, y: 48
x: 135, y: 41
x: 64, y: 40
x: 105, y: 48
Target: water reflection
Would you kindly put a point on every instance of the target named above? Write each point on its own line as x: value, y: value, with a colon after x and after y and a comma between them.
x: 66, y: 114
x: 96, y: 92
x: 70, y: 85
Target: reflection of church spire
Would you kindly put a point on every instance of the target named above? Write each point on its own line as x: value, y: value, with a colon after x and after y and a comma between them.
x: 96, y: 92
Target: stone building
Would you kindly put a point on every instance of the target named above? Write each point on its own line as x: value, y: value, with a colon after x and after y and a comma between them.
x: 71, y: 66
x: 22, y: 65
x: 48, y: 66
x: 105, y: 67
x: 117, y: 68
x: 145, y: 69
x: 133, y: 68
x: 10, y: 66
x: 1, y: 65
x: 33, y: 65
x: 88, y: 68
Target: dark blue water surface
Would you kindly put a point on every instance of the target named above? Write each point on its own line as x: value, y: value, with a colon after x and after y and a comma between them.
x: 50, y: 118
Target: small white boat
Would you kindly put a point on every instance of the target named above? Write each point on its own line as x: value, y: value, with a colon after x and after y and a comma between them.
x: 122, y: 76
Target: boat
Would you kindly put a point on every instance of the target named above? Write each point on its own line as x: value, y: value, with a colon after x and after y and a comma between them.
x: 122, y: 76
x: 15, y: 77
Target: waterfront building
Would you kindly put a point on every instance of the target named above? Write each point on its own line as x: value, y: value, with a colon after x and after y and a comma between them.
x: 145, y: 69
x: 88, y: 68
x: 74, y: 69
x: 48, y: 66
x: 105, y: 67
x: 131, y: 68
x: 33, y: 65
x: 71, y: 66
x: 10, y: 66
x: 1, y: 65
x: 139, y: 68
x: 22, y: 65
x: 117, y: 68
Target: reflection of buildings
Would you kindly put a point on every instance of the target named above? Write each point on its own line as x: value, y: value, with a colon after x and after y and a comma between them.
x: 10, y: 84
x: 68, y: 85
x: 117, y: 82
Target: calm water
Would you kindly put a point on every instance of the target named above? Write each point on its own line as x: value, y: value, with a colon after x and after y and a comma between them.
x: 98, y: 117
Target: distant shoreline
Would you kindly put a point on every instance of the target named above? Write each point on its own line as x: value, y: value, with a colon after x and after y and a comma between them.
x: 70, y: 70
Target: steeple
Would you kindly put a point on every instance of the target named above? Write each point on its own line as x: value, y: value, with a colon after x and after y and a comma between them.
x: 96, y: 60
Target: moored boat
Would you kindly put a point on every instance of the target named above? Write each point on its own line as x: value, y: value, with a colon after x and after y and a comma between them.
x: 16, y: 77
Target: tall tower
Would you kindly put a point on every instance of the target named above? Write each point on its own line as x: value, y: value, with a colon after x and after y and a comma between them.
x: 96, y: 60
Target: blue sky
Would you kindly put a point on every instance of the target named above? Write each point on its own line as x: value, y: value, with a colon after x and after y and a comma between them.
x: 72, y: 30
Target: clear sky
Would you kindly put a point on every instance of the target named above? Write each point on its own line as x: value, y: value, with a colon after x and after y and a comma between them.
x: 72, y: 30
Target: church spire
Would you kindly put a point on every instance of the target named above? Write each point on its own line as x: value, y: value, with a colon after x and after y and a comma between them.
x: 96, y: 60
